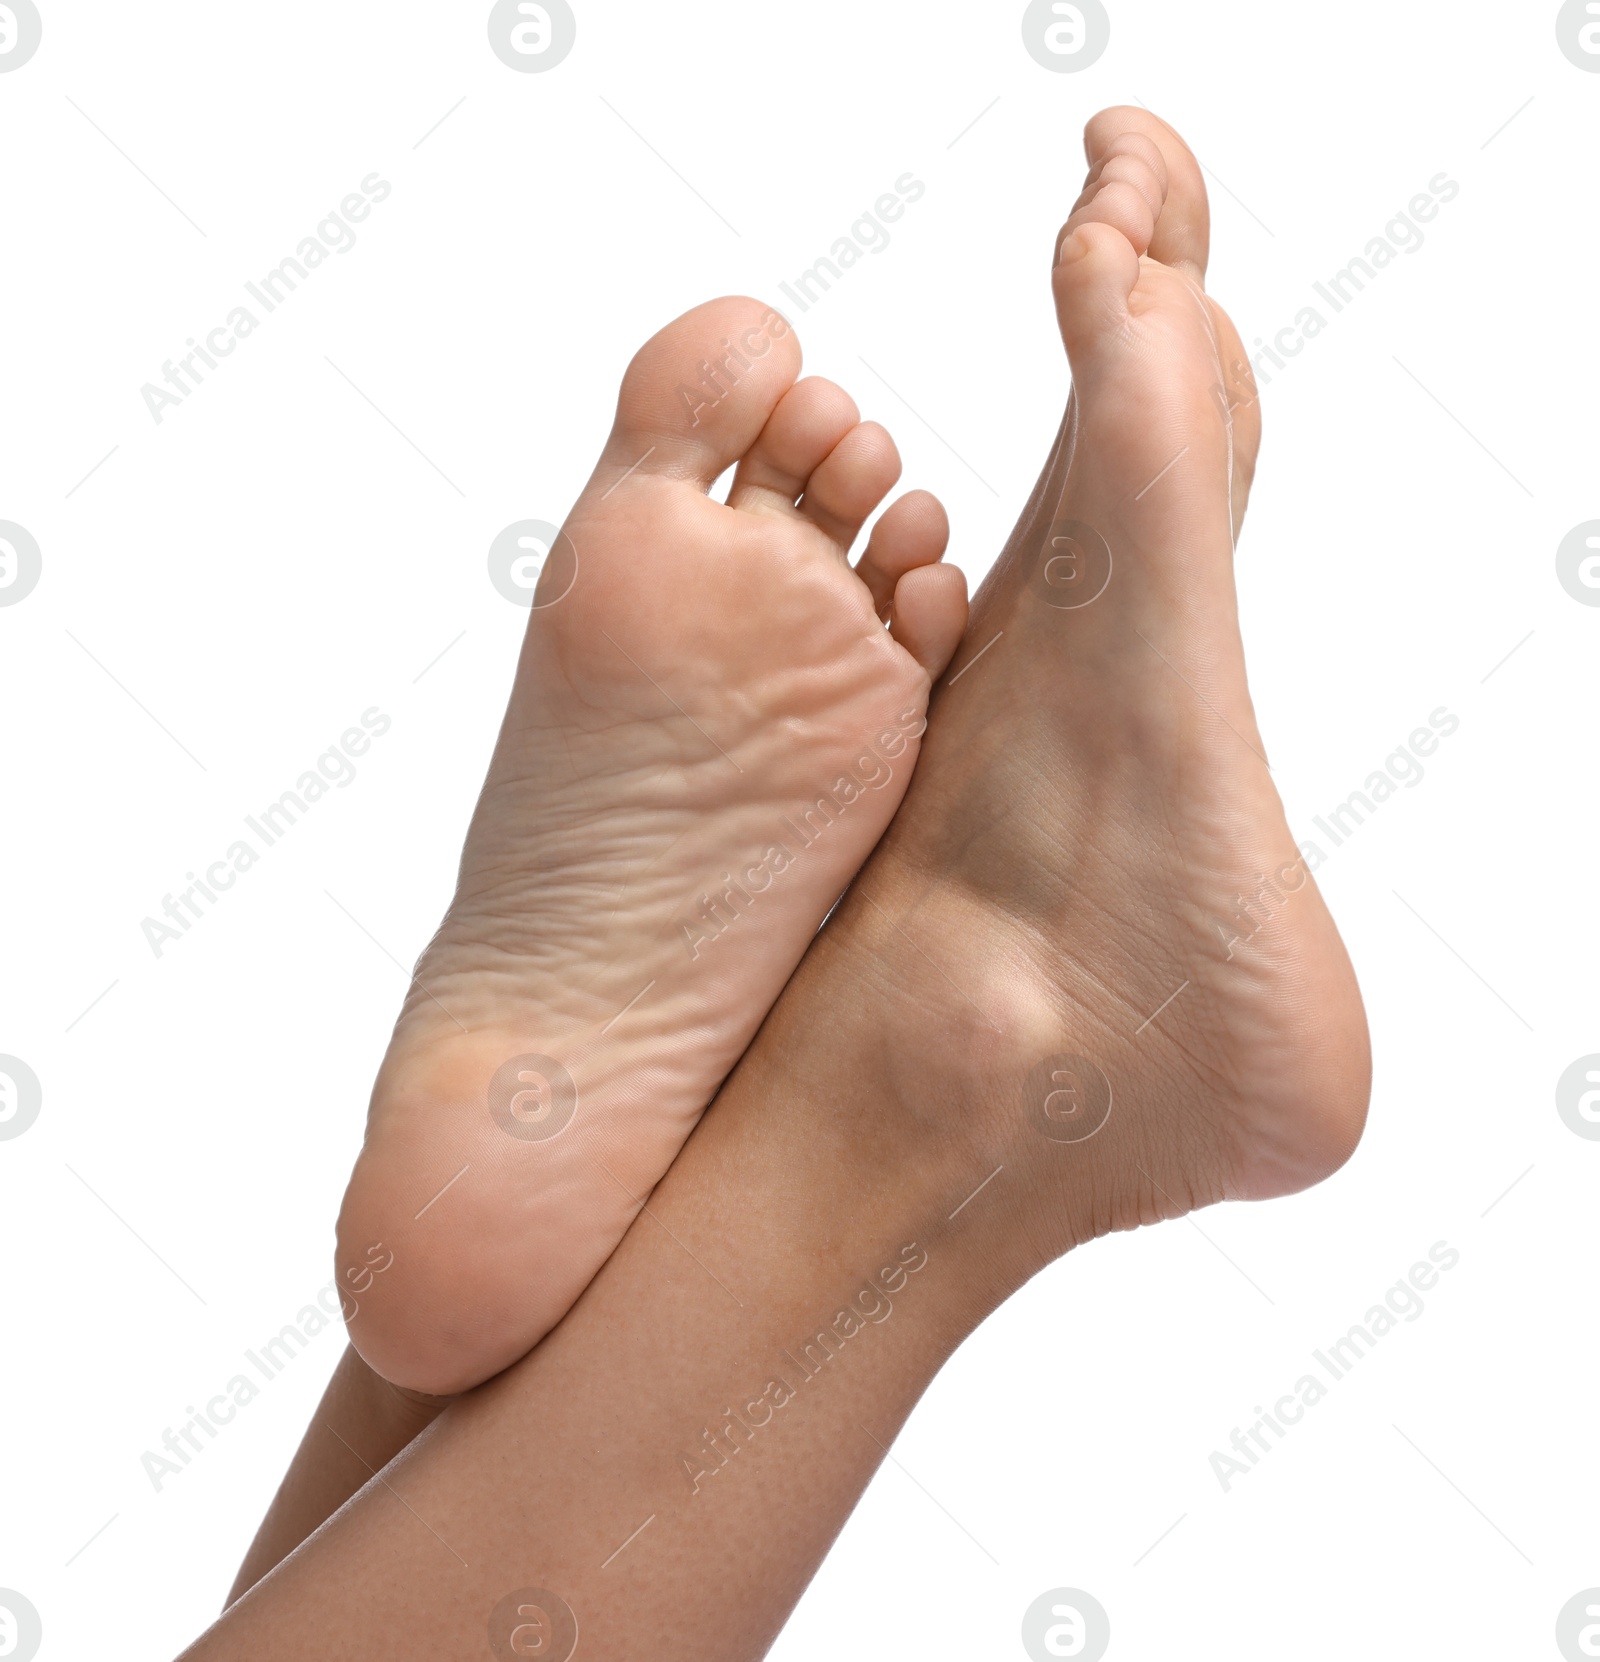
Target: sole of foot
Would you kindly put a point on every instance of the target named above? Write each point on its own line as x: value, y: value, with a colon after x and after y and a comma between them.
x: 714, y: 718
x: 1126, y: 989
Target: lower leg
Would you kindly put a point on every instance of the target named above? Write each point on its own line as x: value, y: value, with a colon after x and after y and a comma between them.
x: 360, y: 1425
x: 706, y: 1381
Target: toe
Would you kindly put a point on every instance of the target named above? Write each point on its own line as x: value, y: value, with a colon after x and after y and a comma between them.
x: 850, y: 481
x: 1093, y: 278
x: 1182, y: 232
x: 1127, y: 170
x: 912, y: 532
x: 1117, y: 203
x: 1125, y: 188
x: 810, y: 419
x: 1136, y: 160
x: 698, y: 393
x: 929, y: 615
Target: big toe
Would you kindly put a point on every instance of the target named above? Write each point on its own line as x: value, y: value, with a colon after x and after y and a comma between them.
x: 698, y: 393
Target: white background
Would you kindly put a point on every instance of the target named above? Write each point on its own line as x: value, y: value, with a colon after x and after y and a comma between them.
x: 275, y: 558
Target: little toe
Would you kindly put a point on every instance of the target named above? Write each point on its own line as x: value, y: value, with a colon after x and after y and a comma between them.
x: 928, y: 616
x: 911, y: 532
x: 851, y: 481
x: 810, y: 419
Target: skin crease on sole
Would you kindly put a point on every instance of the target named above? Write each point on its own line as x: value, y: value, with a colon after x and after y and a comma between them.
x: 709, y: 730
x: 1126, y: 977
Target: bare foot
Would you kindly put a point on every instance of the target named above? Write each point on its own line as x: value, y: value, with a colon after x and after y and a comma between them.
x: 1139, y: 1003
x: 710, y: 729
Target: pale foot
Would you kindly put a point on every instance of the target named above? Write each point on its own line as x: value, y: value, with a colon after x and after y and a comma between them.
x: 710, y: 729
